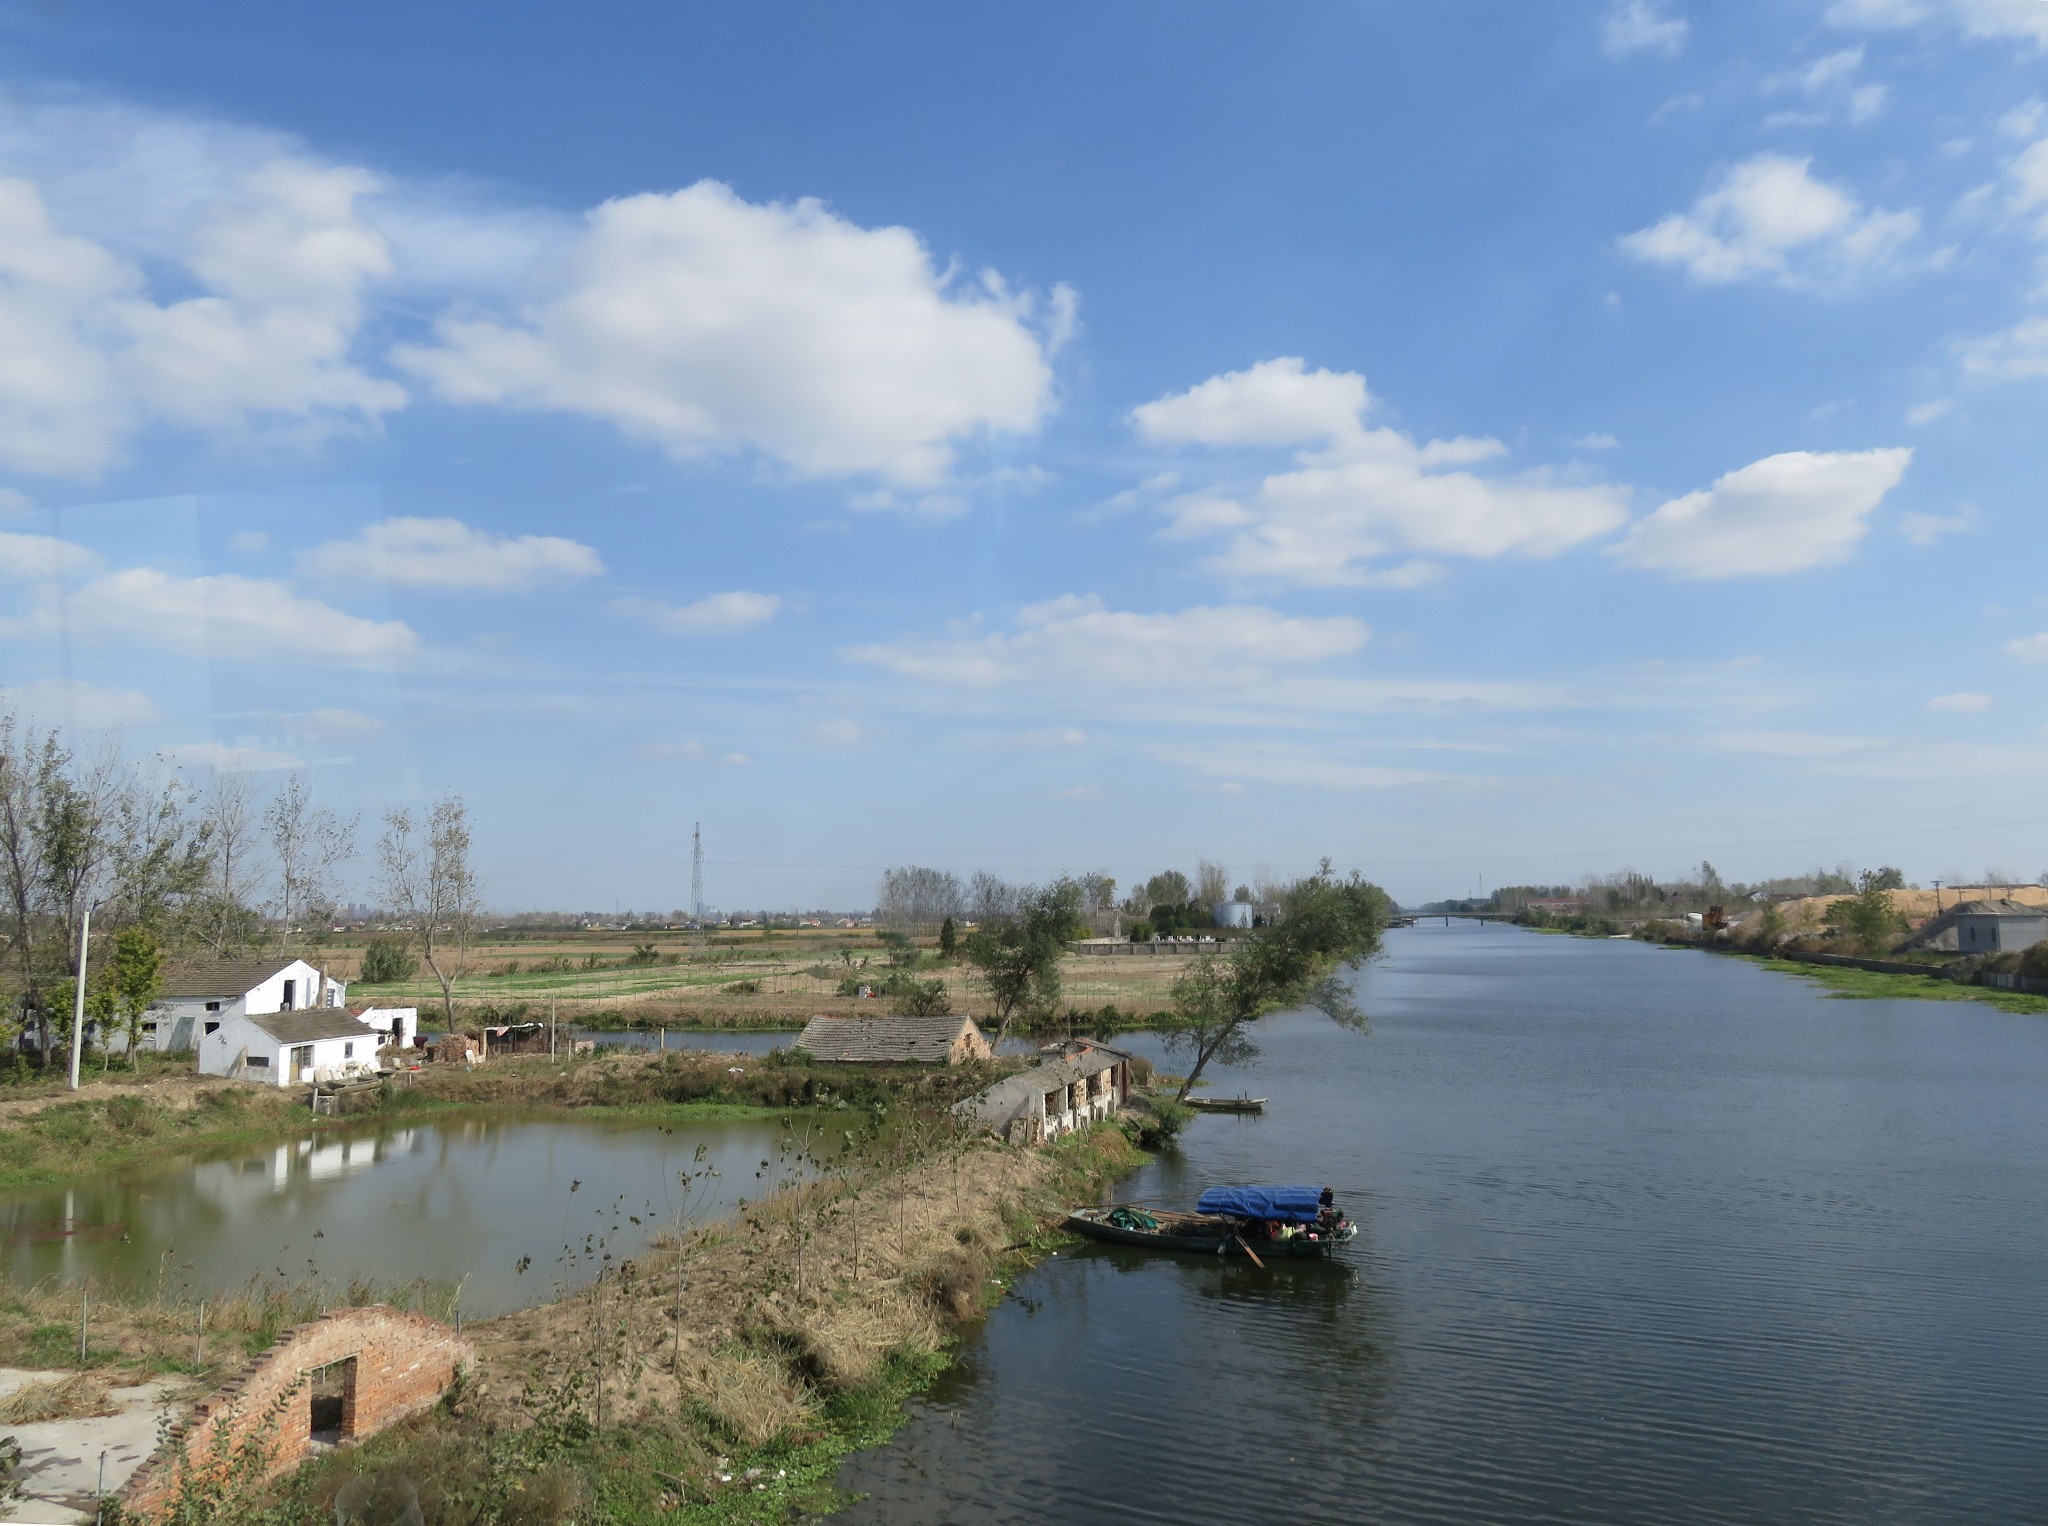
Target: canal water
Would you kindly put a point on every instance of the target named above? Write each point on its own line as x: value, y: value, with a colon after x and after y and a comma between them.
x: 512, y: 1211
x: 1647, y: 1236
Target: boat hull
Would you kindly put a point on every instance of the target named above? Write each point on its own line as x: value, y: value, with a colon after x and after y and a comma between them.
x: 1205, y: 1241
x: 1227, y: 1104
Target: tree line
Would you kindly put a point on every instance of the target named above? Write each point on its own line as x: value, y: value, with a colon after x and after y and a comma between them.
x: 172, y: 871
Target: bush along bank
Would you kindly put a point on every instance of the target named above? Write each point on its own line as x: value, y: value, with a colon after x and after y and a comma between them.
x: 722, y: 1377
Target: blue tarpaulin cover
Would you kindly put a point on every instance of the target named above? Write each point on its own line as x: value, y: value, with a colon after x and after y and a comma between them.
x: 1290, y: 1205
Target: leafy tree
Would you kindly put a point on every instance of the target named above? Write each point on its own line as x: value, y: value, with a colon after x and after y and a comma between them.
x: 922, y: 998
x: 429, y: 884
x: 949, y: 939
x: 1886, y: 878
x: 1325, y: 925
x: 918, y: 897
x: 1141, y: 932
x: 1212, y: 885
x: 1770, y: 926
x: 1168, y: 888
x: 1020, y: 960
x: 1867, y: 921
x: 135, y: 978
x: 386, y: 960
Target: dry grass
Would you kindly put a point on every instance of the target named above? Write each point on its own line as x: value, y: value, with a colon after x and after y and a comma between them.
x: 81, y: 1396
x: 748, y: 1397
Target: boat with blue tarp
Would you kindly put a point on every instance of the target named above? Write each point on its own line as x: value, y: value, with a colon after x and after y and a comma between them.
x: 1258, y: 1222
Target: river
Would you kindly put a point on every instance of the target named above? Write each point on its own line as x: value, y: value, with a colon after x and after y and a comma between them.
x: 1647, y: 1236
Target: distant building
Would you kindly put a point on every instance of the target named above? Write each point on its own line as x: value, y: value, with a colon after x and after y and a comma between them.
x: 1079, y: 1084
x: 1998, y: 926
x: 898, y: 1040
x: 199, y: 998
x: 287, y: 1048
x: 1232, y: 913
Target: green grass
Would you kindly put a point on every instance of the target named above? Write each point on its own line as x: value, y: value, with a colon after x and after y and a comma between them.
x: 1872, y: 985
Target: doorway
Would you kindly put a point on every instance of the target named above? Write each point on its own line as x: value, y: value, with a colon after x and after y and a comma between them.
x: 333, y: 1400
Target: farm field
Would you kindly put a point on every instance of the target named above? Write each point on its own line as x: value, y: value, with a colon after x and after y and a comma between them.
x: 743, y: 979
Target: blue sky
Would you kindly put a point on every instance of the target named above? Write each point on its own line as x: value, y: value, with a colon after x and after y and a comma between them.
x: 1483, y: 443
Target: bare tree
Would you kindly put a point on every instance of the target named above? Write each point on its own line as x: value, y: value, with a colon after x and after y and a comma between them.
x: 229, y: 812
x: 992, y: 899
x: 427, y: 882
x: 1212, y: 884
x: 915, y: 897
x: 309, y: 842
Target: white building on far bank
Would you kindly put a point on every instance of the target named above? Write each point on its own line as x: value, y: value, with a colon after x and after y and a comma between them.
x: 200, y: 998
x: 288, y: 1048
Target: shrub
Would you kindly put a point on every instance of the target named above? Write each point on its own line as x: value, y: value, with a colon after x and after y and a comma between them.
x: 388, y: 959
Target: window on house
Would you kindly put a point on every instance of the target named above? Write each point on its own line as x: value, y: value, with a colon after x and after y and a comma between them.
x: 213, y: 1027
x: 213, y: 1006
x: 291, y: 991
x: 348, y: 1050
x: 149, y: 1027
x: 259, y: 1062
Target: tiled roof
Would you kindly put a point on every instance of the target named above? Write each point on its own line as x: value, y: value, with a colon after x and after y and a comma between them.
x: 1999, y: 907
x: 224, y: 977
x: 926, y: 1039
x: 312, y: 1025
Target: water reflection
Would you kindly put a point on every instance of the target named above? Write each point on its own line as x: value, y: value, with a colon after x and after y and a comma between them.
x: 455, y: 1203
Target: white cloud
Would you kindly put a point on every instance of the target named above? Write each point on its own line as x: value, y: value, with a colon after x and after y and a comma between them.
x: 225, y: 616
x: 1925, y: 529
x: 14, y: 502
x: 686, y: 752
x: 1275, y: 402
x: 223, y: 758
x: 446, y: 553
x: 1769, y: 219
x: 1358, y: 495
x: 338, y: 723
x: 91, y: 356
x: 1303, y: 766
x: 704, y: 323
x: 1974, y: 18
x: 837, y: 733
x: 1782, y: 514
x: 717, y: 614
x: 1634, y: 26
x: 1965, y: 703
x: 1597, y: 440
x: 250, y: 541
x: 2030, y: 648
x: 1793, y: 744
x: 1926, y: 413
x: 40, y: 558
x: 1077, y: 792
x: 1075, y: 639
x: 2026, y: 120
x: 1027, y: 741
x: 2019, y: 353
x: 71, y: 705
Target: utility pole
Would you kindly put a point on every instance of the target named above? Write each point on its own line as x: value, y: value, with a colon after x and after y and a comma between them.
x: 697, y: 882
x: 78, y: 1000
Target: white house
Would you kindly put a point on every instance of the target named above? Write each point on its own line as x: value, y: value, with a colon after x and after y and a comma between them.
x: 1075, y: 1085
x: 199, y: 998
x: 288, y: 1048
x: 399, y: 1027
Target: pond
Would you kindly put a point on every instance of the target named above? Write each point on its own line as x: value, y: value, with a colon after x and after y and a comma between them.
x: 512, y: 1210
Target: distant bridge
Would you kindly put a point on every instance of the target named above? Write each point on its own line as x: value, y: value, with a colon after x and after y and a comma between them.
x: 1410, y: 919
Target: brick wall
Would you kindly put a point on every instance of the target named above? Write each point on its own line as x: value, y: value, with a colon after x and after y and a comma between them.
x: 403, y: 1364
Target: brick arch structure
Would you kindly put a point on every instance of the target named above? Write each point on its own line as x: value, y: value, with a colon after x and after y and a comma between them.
x: 389, y: 1364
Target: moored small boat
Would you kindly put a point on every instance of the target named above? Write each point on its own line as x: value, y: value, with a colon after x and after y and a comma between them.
x: 1257, y: 1222
x: 1228, y: 1104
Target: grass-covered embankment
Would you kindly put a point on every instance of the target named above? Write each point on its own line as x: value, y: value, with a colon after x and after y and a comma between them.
x: 722, y: 1378
x: 1873, y: 985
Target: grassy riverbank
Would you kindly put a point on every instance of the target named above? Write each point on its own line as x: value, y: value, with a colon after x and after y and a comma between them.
x: 1873, y: 985
x: 721, y: 1378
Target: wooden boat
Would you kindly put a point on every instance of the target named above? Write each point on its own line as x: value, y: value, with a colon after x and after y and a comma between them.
x: 1203, y: 1234
x: 1239, y: 1104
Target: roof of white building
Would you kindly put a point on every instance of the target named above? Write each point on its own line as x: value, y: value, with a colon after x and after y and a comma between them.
x: 310, y: 1026
x: 223, y: 977
x: 2000, y: 907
